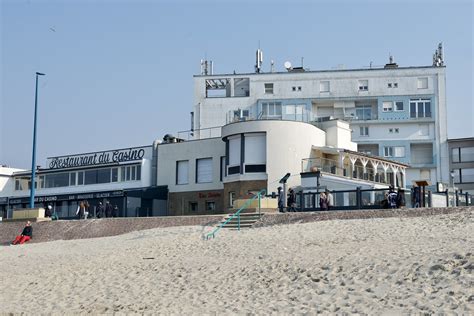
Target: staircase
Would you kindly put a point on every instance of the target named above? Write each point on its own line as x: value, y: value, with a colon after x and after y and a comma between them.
x: 246, y: 220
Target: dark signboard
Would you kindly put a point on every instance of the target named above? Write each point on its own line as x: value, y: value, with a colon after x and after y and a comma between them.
x: 3, y: 200
x: 68, y: 197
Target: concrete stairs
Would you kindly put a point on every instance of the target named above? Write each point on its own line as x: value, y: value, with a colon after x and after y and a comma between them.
x: 246, y: 220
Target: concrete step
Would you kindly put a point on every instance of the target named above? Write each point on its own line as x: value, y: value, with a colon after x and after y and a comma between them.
x: 246, y: 220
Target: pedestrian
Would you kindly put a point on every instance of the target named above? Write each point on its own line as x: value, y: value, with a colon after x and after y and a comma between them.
x: 25, y: 235
x: 80, y: 210
x: 330, y: 199
x: 281, y: 200
x: 48, y: 211
x: 86, y: 209
x: 115, y: 211
x: 400, y: 198
x: 100, y: 210
x: 392, y: 198
x: 108, y: 209
x: 323, y: 202
x: 291, y: 203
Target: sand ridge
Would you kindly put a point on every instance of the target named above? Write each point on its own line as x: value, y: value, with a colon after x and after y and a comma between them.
x: 390, y: 265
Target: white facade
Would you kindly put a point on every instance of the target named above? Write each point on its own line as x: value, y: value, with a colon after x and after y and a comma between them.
x: 401, y: 107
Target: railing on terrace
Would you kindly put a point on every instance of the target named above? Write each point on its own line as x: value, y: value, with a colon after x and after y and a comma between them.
x: 237, y: 214
x: 356, y: 172
x: 209, y: 132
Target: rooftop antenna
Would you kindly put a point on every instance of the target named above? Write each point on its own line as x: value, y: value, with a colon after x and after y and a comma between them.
x: 438, y: 57
x: 259, y: 60
x: 302, y: 62
x: 287, y: 65
x: 390, y: 58
x: 272, y: 66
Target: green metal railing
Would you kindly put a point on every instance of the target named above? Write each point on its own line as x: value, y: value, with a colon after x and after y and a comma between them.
x: 237, y: 214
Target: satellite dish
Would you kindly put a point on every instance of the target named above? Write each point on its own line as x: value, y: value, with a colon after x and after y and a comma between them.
x: 287, y: 65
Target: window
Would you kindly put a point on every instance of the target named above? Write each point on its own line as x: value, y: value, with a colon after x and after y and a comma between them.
x: 72, y: 178
x: 268, y: 88
x: 299, y: 88
x: 457, y: 175
x: 204, y: 170
x: 394, y: 130
x: 271, y: 109
x: 255, y: 157
x: 234, y: 144
x: 390, y: 130
x: 114, y: 174
x: 389, y: 84
x: 182, y: 170
x: 467, y: 154
x: 210, y: 206
x: 455, y: 155
x: 422, y: 83
x: 397, y: 130
x: 399, y: 106
x: 395, y: 85
x: 467, y: 175
x: 222, y: 171
x: 193, y: 206
x: 387, y: 106
x: 294, y: 88
x: 364, y: 131
x: 420, y: 108
x: 324, y: 86
x: 364, y: 112
x: 363, y: 85
x: 130, y: 173
x: 90, y: 177
x: 391, y: 151
x: 80, y: 178
x: 231, y: 199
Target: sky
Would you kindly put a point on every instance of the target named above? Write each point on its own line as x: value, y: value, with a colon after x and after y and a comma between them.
x: 120, y: 73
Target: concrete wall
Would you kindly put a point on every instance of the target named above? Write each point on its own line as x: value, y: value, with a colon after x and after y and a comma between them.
x: 179, y: 202
x: 7, y: 183
x: 169, y: 154
x: 241, y: 190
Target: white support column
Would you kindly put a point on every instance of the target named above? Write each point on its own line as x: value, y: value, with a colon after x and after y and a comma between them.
x: 385, y: 168
x: 353, y: 160
x: 375, y: 165
x: 364, y: 162
x: 394, y: 171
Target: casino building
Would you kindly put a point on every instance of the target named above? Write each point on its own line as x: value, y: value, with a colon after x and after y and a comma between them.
x: 122, y: 177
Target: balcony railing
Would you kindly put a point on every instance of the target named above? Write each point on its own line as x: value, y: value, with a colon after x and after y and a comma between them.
x: 348, y: 171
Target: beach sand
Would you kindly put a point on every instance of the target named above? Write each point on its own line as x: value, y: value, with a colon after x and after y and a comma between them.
x: 390, y: 265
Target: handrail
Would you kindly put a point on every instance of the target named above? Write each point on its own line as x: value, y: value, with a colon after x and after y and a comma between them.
x: 213, y: 233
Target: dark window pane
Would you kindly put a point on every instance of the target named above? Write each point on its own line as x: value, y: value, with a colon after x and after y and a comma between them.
x: 80, y: 178
x: 103, y: 175
x: 421, y: 112
x: 90, y: 177
x: 139, y: 173
x: 114, y: 174
x: 427, y: 109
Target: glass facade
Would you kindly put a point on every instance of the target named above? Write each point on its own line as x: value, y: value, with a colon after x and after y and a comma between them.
x: 86, y: 177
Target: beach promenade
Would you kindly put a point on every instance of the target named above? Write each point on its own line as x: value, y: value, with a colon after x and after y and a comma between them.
x: 372, y: 265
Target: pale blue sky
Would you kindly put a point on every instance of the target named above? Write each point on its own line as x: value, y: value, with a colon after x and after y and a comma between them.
x: 119, y: 73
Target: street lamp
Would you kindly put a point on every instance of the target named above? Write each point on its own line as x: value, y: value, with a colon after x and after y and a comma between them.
x: 452, y: 174
x: 33, y: 159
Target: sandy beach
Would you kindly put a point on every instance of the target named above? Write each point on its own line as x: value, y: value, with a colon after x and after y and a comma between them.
x: 389, y: 265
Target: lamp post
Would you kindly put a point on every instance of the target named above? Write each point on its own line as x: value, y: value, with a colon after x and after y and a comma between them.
x: 33, y: 159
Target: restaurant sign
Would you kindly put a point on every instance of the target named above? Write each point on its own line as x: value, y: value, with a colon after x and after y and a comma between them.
x: 68, y: 197
x: 99, y: 158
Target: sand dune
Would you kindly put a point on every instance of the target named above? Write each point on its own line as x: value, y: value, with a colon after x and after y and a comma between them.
x: 392, y: 265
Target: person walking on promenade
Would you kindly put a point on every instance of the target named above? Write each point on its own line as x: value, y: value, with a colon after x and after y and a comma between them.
x: 330, y: 199
x: 25, y: 236
x: 400, y: 198
x: 392, y: 198
x: 281, y: 200
x: 108, y: 209
x: 115, y: 211
x: 323, y: 202
x: 100, y: 210
x: 291, y: 203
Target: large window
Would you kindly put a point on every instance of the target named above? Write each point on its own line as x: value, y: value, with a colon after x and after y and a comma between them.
x: 364, y: 112
x: 394, y: 151
x: 420, y: 108
x: 86, y: 177
x: 204, y: 170
x: 271, y: 109
x: 182, y: 172
x: 467, y: 175
x: 255, y: 152
x: 364, y: 131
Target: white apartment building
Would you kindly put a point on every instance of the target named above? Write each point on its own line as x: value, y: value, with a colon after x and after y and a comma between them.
x: 398, y: 113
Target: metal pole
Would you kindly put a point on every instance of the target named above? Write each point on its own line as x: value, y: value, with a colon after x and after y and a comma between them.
x: 33, y: 159
x: 258, y: 204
